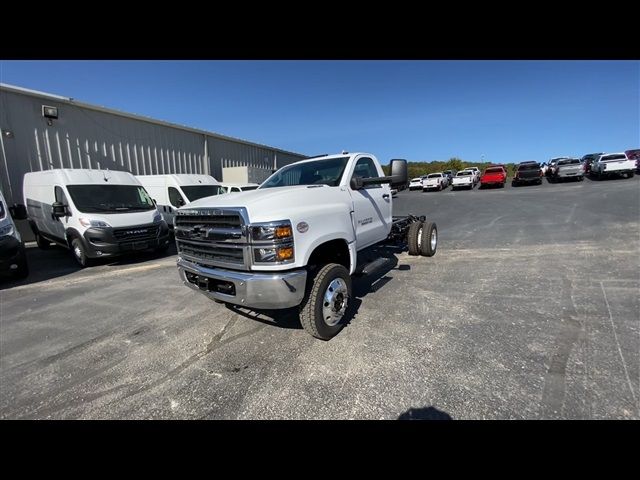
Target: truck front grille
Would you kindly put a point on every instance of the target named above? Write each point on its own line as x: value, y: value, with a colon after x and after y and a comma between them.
x: 212, y: 237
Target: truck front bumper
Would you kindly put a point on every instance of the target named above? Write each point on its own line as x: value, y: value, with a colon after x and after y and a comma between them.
x: 262, y: 290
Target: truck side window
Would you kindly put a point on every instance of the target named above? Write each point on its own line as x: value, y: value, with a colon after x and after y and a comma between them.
x: 175, y: 198
x: 365, y: 168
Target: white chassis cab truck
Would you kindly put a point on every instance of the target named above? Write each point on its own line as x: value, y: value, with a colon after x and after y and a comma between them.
x: 296, y: 240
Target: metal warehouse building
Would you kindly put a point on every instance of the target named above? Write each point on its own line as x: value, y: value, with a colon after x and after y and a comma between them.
x: 40, y: 131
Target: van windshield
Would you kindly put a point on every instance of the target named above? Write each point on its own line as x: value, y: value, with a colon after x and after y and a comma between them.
x: 252, y: 187
x: 195, y: 192
x: 320, y: 172
x: 110, y: 198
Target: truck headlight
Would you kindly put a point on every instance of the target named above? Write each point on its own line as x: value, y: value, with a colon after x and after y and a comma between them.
x: 157, y: 217
x: 88, y: 222
x: 273, y: 254
x: 272, y: 231
x: 6, y: 230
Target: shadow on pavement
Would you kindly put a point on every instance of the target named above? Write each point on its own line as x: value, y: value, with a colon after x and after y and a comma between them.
x: 426, y: 413
x: 57, y: 262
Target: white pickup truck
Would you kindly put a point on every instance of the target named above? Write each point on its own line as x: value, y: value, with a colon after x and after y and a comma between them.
x: 613, y: 164
x: 464, y: 178
x: 436, y: 181
x: 295, y: 241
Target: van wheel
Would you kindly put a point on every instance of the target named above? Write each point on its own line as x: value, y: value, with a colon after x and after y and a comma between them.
x: 79, y: 253
x: 42, y: 242
x: 327, y: 299
x: 630, y: 174
x: 414, y: 236
x: 429, y: 240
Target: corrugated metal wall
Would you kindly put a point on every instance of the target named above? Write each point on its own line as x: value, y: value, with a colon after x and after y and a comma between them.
x: 85, y: 136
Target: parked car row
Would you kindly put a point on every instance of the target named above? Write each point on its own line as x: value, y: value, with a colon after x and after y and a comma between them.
x: 597, y: 165
x: 99, y: 213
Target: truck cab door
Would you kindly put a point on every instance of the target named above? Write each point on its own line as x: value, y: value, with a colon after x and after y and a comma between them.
x: 371, y: 205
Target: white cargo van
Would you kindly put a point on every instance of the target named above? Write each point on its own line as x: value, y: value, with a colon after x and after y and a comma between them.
x: 176, y: 190
x: 13, y: 259
x: 94, y: 213
x: 237, y: 187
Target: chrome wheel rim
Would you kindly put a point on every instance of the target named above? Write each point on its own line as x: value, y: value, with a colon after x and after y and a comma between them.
x: 77, y: 251
x: 419, y: 237
x: 434, y: 239
x: 334, y: 301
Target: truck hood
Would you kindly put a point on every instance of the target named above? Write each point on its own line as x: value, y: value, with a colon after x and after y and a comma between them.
x: 282, y: 202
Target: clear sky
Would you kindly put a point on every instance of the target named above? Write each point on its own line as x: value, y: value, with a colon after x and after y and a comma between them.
x: 504, y: 111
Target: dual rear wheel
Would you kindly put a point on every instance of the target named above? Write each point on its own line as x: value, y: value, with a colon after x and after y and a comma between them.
x: 422, y: 239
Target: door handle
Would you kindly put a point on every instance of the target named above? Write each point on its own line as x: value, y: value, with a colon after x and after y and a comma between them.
x: 385, y: 196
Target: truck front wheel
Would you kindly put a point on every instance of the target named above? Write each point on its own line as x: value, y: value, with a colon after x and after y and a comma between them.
x: 323, y: 308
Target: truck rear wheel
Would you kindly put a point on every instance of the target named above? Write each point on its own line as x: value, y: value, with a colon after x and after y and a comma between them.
x: 429, y: 240
x: 414, y: 236
x: 323, y: 308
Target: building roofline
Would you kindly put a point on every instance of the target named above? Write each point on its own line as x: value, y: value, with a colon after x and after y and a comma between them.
x: 99, y: 108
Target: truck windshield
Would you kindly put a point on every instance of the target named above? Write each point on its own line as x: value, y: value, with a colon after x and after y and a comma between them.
x: 570, y: 161
x: 318, y: 172
x: 493, y: 170
x: 435, y: 175
x: 613, y: 157
x: 110, y: 198
x: 529, y: 166
x: 195, y: 192
x: 462, y: 174
x: 252, y: 187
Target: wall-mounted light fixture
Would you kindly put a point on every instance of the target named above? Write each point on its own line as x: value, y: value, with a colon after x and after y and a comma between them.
x: 50, y: 113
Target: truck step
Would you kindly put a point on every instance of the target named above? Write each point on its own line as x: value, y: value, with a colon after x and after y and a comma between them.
x: 375, y: 265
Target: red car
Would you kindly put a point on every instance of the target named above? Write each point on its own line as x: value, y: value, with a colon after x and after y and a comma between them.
x: 493, y: 176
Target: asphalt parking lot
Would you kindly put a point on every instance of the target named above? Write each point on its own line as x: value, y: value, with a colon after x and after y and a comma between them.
x: 530, y: 309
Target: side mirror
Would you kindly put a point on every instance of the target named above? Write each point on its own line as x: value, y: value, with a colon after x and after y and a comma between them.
x: 356, y: 183
x: 18, y: 212
x: 399, y: 172
x: 181, y: 202
x: 154, y: 201
x: 59, y: 209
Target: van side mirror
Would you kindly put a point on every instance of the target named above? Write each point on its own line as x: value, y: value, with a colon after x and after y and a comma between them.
x: 181, y: 202
x: 356, y: 183
x: 18, y: 212
x: 154, y: 201
x: 59, y: 209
